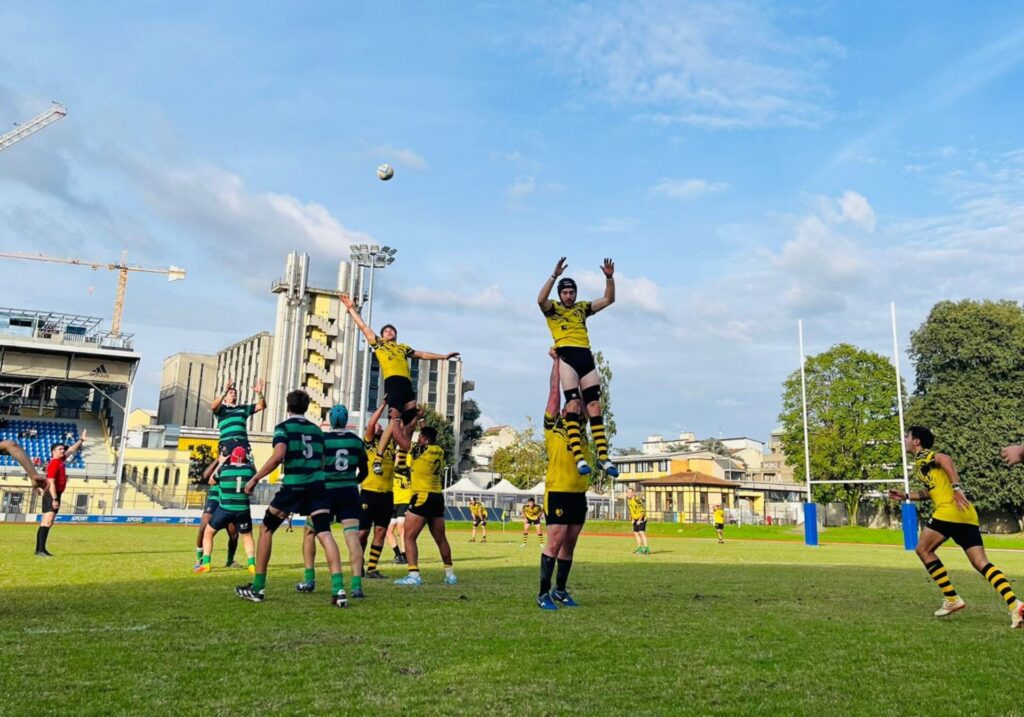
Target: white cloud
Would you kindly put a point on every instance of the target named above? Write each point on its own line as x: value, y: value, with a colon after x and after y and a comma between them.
x: 717, y: 65
x: 400, y: 157
x: 688, y: 188
x: 519, y: 191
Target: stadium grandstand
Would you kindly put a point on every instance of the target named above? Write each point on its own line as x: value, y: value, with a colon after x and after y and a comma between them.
x: 62, y: 375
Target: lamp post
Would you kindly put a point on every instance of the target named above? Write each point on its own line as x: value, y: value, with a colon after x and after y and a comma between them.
x: 369, y: 257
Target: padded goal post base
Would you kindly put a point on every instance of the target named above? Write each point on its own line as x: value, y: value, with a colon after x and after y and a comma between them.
x: 810, y: 523
x: 909, y: 517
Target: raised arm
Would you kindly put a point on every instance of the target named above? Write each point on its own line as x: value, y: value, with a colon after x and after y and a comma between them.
x: 220, y: 399
x: 434, y: 357
x: 403, y: 434
x: 554, y: 386
x: 371, y: 425
x: 609, y: 287
x: 76, y: 446
x: 544, y: 297
x: 350, y: 305
x: 213, y: 468
x: 261, y: 400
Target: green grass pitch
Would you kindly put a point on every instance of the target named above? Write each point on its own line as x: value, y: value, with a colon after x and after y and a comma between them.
x: 118, y: 624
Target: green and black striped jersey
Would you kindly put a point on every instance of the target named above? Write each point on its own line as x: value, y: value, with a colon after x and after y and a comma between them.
x: 344, y: 452
x: 304, y: 459
x: 231, y: 481
x: 231, y: 421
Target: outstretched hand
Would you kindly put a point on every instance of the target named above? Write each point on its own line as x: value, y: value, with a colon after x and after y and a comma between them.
x: 559, y: 268
x: 1012, y: 455
x: 259, y: 386
x: 347, y: 301
x: 608, y: 267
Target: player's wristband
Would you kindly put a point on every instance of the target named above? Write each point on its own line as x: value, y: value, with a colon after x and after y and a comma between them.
x: 958, y: 487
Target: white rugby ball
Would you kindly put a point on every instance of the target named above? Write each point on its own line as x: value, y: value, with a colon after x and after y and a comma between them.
x: 385, y: 172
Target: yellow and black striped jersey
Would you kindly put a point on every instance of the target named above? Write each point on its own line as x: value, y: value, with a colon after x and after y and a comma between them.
x: 637, y: 509
x: 380, y: 483
x: 477, y: 510
x: 393, y: 357
x: 569, y: 325
x: 940, y: 490
x: 425, y: 465
x: 562, y: 475
x: 402, y: 490
x: 532, y: 512
x: 719, y: 516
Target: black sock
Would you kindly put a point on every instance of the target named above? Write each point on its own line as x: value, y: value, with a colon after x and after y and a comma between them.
x: 397, y: 551
x: 41, y: 536
x: 232, y: 547
x: 564, y: 566
x: 547, y: 566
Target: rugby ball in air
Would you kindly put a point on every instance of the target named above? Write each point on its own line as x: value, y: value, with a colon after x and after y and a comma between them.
x: 385, y: 172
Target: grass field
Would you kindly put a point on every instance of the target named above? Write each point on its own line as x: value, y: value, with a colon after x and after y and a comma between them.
x: 117, y: 623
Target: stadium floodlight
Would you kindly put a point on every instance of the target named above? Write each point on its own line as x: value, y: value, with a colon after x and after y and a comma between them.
x: 369, y: 257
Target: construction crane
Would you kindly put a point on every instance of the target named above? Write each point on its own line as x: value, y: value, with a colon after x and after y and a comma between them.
x: 174, y: 273
x: 33, y: 125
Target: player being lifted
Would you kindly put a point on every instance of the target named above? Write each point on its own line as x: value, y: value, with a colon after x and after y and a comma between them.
x: 393, y: 358
x: 299, y: 449
x: 376, y: 494
x: 426, y: 509
x: 344, y: 466
x: 565, y: 502
x: 581, y: 383
x: 953, y: 517
x: 232, y: 417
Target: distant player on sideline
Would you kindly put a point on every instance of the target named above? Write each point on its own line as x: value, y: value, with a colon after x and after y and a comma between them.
x: 478, y: 512
x: 393, y: 358
x: 56, y: 482
x: 532, y: 513
x: 299, y: 448
x: 638, y: 514
x: 14, y: 450
x: 426, y: 508
x: 211, y: 507
x: 344, y: 465
x: 232, y: 474
x: 402, y: 493
x: 232, y: 418
x: 565, y: 501
x: 954, y: 517
x: 376, y: 494
x: 719, y: 520
x: 581, y: 383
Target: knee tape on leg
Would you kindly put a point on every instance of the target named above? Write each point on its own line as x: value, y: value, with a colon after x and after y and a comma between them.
x: 321, y: 523
x: 592, y: 393
x: 271, y: 522
x: 409, y: 415
x: 572, y: 394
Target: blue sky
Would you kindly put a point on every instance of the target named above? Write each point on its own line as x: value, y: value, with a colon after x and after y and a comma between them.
x: 746, y: 164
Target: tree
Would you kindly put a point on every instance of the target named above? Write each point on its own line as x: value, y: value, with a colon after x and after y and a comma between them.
x: 471, y: 429
x: 524, y: 462
x: 445, y: 433
x: 969, y: 390
x: 628, y: 451
x: 715, y: 445
x: 852, y: 421
x: 199, y: 458
x: 605, y: 372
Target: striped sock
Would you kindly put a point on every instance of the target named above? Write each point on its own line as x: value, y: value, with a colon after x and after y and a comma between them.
x: 597, y: 433
x: 413, y: 569
x: 938, y: 573
x: 998, y: 581
x: 374, y: 556
x: 572, y: 428
x: 400, y: 458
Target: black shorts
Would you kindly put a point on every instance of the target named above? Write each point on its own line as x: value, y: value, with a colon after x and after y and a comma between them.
x: 399, y: 392
x: 479, y: 521
x: 640, y: 526
x: 48, y: 503
x: 565, y: 508
x: 302, y: 500
x: 719, y: 526
x: 531, y: 522
x: 579, y: 359
x: 345, y: 504
x: 963, y: 534
x: 211, y: 505
x: 399, y: 510
x: 242, y: 520
x: 229, y: 444
x: 377, y: 509
x: 427, y: 505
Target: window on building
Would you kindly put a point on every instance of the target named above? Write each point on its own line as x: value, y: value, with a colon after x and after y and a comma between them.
x: 145, y: 474
x: 167, y: 476
x: 663, y: 466
x: 625, y: 468
x: 177, y: 476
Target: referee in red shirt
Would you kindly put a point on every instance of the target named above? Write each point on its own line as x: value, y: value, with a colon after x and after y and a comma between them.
x: 56, y: 482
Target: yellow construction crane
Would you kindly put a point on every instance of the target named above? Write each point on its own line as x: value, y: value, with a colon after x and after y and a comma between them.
x: 174, y: 273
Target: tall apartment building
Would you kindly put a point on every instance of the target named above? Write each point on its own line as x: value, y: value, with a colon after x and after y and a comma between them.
x: 187, y: 388
x: 245, y: 362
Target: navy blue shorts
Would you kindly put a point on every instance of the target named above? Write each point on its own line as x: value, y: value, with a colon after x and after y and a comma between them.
x: 345, y: 504
x: 301, y: 500
x: 222, y: 518
x: 212, y: 504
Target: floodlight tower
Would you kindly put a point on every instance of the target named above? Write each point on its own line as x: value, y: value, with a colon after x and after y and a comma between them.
x: 369, y: 257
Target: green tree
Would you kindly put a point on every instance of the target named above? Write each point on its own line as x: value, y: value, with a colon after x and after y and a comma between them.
x: 471, y: 430
x: 969, y: 390
x: 199, y: 458
x: 524, y: 462
x: 605, y: 372
x: 852, y: 421
x: 715, y: 445
x: 445, y: 434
